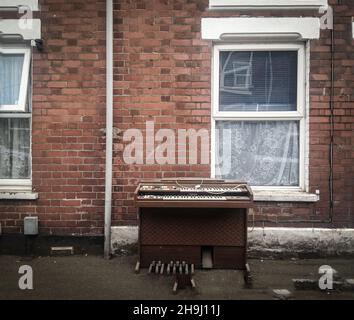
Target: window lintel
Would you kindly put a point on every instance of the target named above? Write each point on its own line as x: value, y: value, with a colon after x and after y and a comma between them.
x: 235, y: 28
x: 267, y: 4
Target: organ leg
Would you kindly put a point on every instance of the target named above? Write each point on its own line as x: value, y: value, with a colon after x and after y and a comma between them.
x: 137, y: 267
x: 247, y: 276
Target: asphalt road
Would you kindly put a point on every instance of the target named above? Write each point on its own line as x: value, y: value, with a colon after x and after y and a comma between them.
x: 92, y: 277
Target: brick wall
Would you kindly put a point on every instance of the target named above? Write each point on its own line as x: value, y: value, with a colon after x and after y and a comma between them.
x: 68, y: 116
x: 161, y: 73
x: 344, y: 114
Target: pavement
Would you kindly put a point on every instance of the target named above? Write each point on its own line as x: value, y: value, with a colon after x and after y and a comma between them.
x: 87, y: 277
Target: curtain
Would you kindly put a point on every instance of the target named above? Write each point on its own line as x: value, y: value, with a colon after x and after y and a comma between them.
x: 262, y: 153
x: 258, y: 81
x: 10, y: 78
x: 15, y: 148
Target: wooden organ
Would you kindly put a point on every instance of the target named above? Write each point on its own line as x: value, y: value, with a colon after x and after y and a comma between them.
x: 201, y: 221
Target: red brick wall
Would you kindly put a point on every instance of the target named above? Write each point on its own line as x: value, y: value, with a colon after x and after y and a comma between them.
x: 344, y: 114
x: 68, y: 117
x: 162, y: 74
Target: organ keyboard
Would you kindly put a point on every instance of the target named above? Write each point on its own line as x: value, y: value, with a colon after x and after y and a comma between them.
x: 193, y: 193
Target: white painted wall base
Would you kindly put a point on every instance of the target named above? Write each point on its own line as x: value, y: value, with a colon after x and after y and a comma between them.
x: 273, y: 241
x: 123, y: 236
x: 301, y: 241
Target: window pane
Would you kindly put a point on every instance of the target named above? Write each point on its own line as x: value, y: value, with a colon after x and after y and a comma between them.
x: 15, y: 148
x: 10, y: 78
x: 258, y: 81
x: 262, y: 153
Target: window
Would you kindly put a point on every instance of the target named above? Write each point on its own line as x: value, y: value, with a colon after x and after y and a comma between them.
x: 258, y: 114
x: 15, y: 118
x: 14, y: 75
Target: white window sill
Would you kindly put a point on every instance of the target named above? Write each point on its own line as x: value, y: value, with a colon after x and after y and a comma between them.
x: 18, y: 196
x: 267, y: 4
x: 32, y: 4
x: 284, y: 196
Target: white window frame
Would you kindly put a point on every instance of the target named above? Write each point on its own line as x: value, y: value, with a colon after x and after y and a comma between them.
x: 21, y: 105
x: 298, y: 115
x: 19, y: 185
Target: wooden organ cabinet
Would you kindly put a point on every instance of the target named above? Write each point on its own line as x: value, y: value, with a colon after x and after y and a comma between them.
x: 201, y: 221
